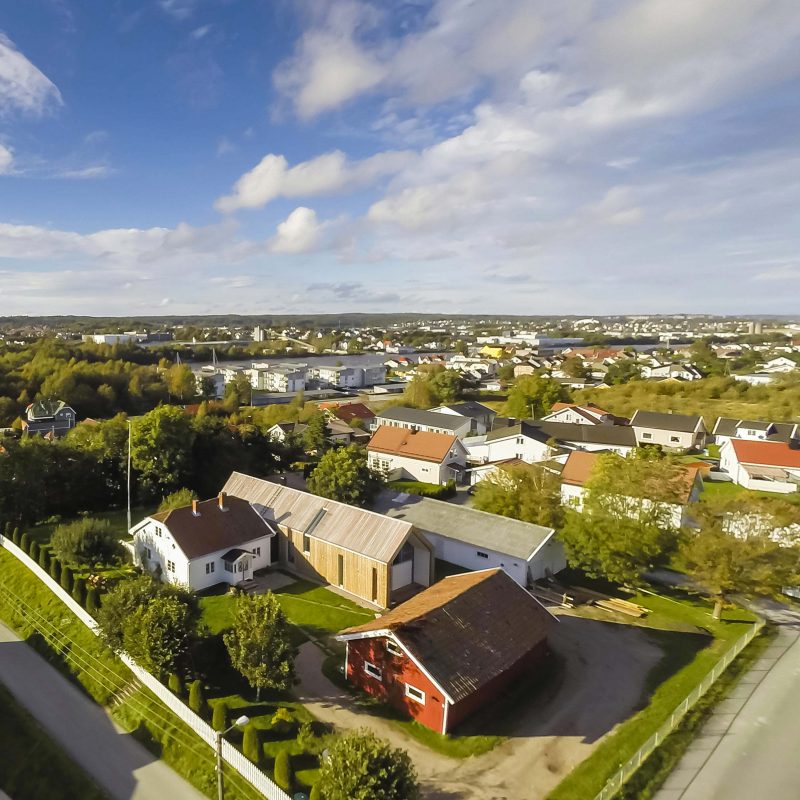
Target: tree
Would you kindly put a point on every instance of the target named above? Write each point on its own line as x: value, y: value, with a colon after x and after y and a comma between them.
x: 86, y: 541
x: 55, y: 569
x: 284, y: 774
x: 622, y: 372
x: 92, y: 601
x: 259, y: 643
x: 181, y: 381
x: 44, y: 558
x: 446, y: 385
x: 360, y: 766
x: 533, y: 396
x: 251, y: 744
x: 315, y: 436
x: 34, y: 551
x: 157, y: 635
x: 529, y: 493
x: 626, y: 523
x: 197, y: 698
x: 25, y: 542
x: 219, y: 719
x: 343, y: 475
x: 576, y: 368
x: 175, y: 684
x: 735, y: 550
x: 161, y: 450
x: 179, y: 499
x: 316, y: 792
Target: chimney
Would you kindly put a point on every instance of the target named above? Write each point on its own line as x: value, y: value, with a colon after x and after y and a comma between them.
x: 195, y: 512
x: 222, y: 501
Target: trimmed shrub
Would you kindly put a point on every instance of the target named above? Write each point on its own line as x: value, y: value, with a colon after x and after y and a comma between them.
x: 25, y: 542
x: 316, y: 793
x: 251, y: 744
x: 197, y: 698
x: 282, y: 722
x: 79, y: 591
x: 425, y: 489
x: 44, y: 558
x: 92, y: 600
x: 15, y: 536
x: 219, y: 719
x: 55, y: 569
x: 66, y: 579
x: 34, y: 551
x: 284, y: 775
x: 175, y: 684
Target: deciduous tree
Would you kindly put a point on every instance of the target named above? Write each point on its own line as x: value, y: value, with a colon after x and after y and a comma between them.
x: 529, y: 493
x: 342, y: 474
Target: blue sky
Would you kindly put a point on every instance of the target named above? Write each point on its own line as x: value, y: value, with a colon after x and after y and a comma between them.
x: 517, y: 156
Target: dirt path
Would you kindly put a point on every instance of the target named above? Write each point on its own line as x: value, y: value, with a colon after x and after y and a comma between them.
x: 605, y: 669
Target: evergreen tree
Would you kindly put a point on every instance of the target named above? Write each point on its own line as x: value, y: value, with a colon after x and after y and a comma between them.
x: 176, y: 684
x: 25, y: 542
x: 44, y: 558
x: 79, y: 592
x: 34, y: 551
x: 66, y: 579
x: 92, y: 600
x: 284, y: 774
x: 251, y: 744
x: 55, y: 569
x: 197, y: 698
x: 219, y: 719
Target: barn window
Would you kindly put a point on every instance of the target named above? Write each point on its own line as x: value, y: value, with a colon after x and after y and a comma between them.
x: 415, y: 694
x: 481, y: 554
x: 392, y: 648
x: 372, y: 671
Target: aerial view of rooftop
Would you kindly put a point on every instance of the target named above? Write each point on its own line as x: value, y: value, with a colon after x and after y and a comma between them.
x: 399, y: 401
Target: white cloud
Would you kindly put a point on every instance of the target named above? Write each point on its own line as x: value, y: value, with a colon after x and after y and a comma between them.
x: 23, y: 87
x: 298, y: 233
x: 332, y: 172
x: 6, y: 160
x: 86, y: 173
x: 178, y: 9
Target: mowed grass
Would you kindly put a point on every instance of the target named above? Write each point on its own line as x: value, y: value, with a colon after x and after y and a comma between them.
x: 32, y: 766
x: 117, y: 517
x: 692, y: 643
x: 732, y: 491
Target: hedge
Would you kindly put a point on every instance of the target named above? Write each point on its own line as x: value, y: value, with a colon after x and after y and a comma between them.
x: 425, y: 489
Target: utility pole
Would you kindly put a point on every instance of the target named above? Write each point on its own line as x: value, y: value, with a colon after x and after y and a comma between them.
x: 129, y: 475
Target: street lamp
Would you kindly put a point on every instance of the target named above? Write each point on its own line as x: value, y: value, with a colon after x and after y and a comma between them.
x: 239, y: 723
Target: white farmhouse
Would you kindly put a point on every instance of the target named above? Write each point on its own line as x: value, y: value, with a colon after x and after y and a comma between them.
x: 223, y: 540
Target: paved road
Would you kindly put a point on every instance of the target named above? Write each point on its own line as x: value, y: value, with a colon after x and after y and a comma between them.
x: 748, y: 748
x: 117, y: 762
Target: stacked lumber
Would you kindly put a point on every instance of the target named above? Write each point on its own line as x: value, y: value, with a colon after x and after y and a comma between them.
x: 621, y: 606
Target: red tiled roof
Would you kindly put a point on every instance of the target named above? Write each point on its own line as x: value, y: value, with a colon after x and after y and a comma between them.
x: 771, y: 454
x: 424, y: 445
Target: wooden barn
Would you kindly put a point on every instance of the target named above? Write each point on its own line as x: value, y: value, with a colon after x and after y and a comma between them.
x: 450, y: 650
x: 375, y: 558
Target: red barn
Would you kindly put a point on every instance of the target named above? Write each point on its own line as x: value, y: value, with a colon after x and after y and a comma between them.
x: 451, y: 649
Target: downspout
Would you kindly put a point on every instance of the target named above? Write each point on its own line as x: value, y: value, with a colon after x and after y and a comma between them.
x: 444, y: 719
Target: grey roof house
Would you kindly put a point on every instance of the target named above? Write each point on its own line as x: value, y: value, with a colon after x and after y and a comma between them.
x: 53, y: 417
x: 672, y: 431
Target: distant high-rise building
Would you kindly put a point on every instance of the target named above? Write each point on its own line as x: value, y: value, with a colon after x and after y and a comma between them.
x: 755, y: 327
x: 259, y: 335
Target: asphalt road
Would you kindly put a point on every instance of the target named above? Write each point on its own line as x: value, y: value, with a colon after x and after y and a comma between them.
x: 116, y: 761
x: 748, y: 748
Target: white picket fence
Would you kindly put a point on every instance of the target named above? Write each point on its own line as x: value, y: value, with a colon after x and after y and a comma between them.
x: 627, y: 770
x: 249, y: 771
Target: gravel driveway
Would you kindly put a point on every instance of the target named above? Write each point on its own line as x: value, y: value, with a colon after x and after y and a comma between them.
x: 605, y: 669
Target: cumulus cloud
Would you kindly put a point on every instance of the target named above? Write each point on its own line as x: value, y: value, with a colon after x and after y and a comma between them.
x: 23, y: 87
x: 332, y: 172
x: 298, y: 233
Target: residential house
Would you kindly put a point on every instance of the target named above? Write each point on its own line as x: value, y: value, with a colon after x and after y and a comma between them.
x: 727, y: 428
x: 51, y: 418
x: 770, y: 466
x: 407, y: 454
x: 362, y: 553
x: 482, y: 416
x: 351, y: 413
x: 580, y: 465
x: 671, y: 431
x: 451, y: 650
x: 222, y: 540
x: 281, y: 431
x: 780, y: 364
x: 683, y: 372
x: 476, y: 540
x: 590, y: 414
x: 430, y: 421
x: 278, y: 377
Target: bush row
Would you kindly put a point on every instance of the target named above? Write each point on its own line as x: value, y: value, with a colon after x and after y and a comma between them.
x: 425, y: 489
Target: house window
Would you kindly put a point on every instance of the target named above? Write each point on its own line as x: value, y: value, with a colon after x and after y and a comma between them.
x: 415, y: 694
x: 406, y: 553
x: 158, y: 531
x: 306, y: 544
x: 374, y: 585
x: 392, y: 648
x: 481, y: 554
x: 647, y: 436
x: 257, y: 552
x: 372, y: 671
x: 170, y: 566
x: 210, y: 567
x: 674, y: 438
x: 228, y: 567
x: 340, y: 569
x: 149, y: 554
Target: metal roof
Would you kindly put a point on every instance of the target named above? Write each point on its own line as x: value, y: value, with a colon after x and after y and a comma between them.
x: 460, y: 523
x: 355, y: 529
x: 432, y: 419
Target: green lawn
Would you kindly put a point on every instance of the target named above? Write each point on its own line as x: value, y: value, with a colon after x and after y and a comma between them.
x: 692, y: 643
x: 32, y: 765
x: 118, y: 518
x: 728, y: 489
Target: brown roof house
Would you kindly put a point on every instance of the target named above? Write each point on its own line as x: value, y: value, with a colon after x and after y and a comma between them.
x: 580, y: 466
x: 417, y: 455
x: 223, y: 540
x: 452, y: 649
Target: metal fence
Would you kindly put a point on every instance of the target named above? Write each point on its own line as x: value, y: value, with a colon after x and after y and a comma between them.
x: 626, y: 771
x: 249, y: 771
